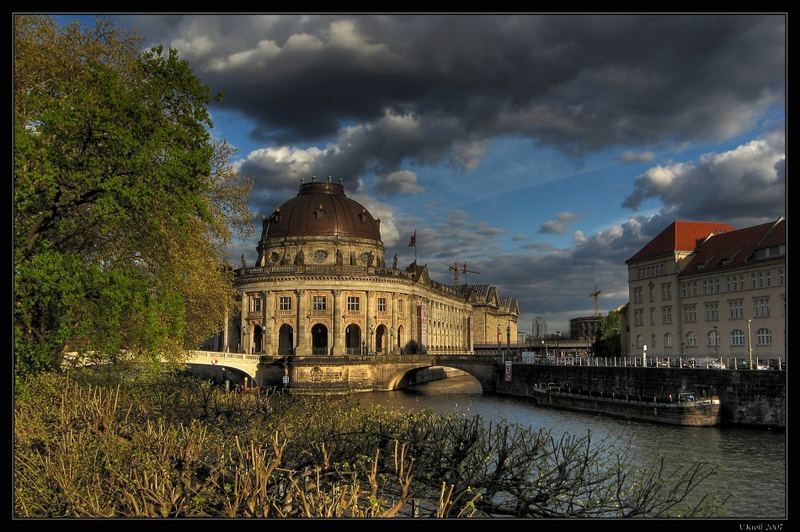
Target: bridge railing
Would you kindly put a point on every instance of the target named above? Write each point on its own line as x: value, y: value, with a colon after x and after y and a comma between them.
x: 217, y: 355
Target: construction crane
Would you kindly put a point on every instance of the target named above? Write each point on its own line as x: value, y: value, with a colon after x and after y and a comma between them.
x: 465, y: 271
x: 455, y: 268
x: 596, y: 295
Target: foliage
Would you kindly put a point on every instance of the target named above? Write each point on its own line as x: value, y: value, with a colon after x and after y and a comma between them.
x: 121, y: 201
x: 147, y: 446
x: 608, y: 340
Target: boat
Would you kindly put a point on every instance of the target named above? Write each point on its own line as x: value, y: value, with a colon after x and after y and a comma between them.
x: 689, y: 409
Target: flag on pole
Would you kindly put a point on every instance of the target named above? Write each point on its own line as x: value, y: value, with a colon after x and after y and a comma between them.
x: 413, y: 242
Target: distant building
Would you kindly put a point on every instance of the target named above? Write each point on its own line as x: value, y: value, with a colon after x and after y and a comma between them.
x: 584, y: 328
x: 539, y: 327
x: 706, y: 289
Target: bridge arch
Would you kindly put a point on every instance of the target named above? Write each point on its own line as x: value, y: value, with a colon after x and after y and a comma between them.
x: 400, y: 378
x: 224, y: 370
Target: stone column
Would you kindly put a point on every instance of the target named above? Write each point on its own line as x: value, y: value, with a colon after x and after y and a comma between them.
x: 244, y: 336
x: 266, y: 341
x: 302, y: 342
x: 412, y: 319
x: 368, y: 322
x: 338, y: 326
x: 393, y: 332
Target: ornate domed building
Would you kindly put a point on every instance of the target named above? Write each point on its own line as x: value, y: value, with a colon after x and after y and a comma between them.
x: 321, y: 286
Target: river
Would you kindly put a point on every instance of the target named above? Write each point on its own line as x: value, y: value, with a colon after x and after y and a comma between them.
x: 751, y: 463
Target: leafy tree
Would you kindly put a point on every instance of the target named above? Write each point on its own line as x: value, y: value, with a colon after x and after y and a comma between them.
x: 122, y: 203
x: 607, y: 341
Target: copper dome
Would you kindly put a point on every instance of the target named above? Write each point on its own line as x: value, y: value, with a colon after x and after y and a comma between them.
x: 322, y: 209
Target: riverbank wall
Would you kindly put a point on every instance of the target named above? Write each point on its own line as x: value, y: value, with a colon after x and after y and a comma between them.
x: 754, y: 398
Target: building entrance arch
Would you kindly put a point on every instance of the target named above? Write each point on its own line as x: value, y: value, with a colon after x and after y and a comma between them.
x: 285, y: 340
x: 319, y: 339
x: 380, y: 339
x: 258, y: 339
x: 352, y: 339
x: 400, y: 337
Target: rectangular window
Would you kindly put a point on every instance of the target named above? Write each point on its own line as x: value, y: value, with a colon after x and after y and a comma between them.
x: 666, y: 292
x: 285, y: 303
x: 753, y: 280
x: 381, y: 304
x: 716, y: 285
x: 761, y: 307
x: 730, y: 284
x: 706, y: 285
x: 256, y: 304
x: 736, y: 309
x: 668, y: 340
x: 319, y: 303
x: 352, y: 303
x: 769, y: 278
x: 652, y: 292
x: 652, y: 316
x: 689, y: 313
x: 712, y: 311
x: 638, y: 317
x: 400, y: 306
x: 694, y: 288
x: 684, y: 289
x: 741, y: 281
x: 666, y: 313
x: 780, y: 277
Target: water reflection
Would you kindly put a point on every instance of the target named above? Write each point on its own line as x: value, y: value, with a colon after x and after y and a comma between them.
x: 750, y: 462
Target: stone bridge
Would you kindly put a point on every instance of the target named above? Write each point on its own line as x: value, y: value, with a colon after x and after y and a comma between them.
x: 336, y: 374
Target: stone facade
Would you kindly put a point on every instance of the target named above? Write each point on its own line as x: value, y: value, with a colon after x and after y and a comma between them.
x: 707, y: 290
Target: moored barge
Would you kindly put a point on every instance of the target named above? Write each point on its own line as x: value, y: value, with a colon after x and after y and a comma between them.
x: 688, y: 409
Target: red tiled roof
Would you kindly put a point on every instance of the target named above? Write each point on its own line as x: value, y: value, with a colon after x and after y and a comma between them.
x: 776, y: 236
x: 731, y: 250
x: 680, y: 235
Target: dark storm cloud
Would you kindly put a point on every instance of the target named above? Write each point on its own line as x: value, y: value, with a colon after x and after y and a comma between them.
x: 578, y: 82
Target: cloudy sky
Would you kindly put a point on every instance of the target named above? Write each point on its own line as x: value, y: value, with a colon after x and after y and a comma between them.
x: 543, y: 151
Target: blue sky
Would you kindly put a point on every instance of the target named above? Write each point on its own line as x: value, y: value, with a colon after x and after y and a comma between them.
x: 542, y: 150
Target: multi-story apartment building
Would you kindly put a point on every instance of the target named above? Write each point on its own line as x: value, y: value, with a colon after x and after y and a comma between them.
x: 706, y: 289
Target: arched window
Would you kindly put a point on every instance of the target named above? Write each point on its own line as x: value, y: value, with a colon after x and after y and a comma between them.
x: 691, y: 339
x: 713, y: 338
x: 737, y: 337
x: 639, y: 341
x: 763, y: 337
x: 668, y: 340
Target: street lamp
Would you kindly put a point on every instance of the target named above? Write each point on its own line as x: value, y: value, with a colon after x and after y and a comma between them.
x: 558, y: 337
x: 498, y: 339
x: 371, y: 332
x: 749, y: 346
x: 508, y: 338
x: 716, y: 345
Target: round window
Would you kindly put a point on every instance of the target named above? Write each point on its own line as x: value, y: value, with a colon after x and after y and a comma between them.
x: 320, y: 255
x: 274, y: 257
